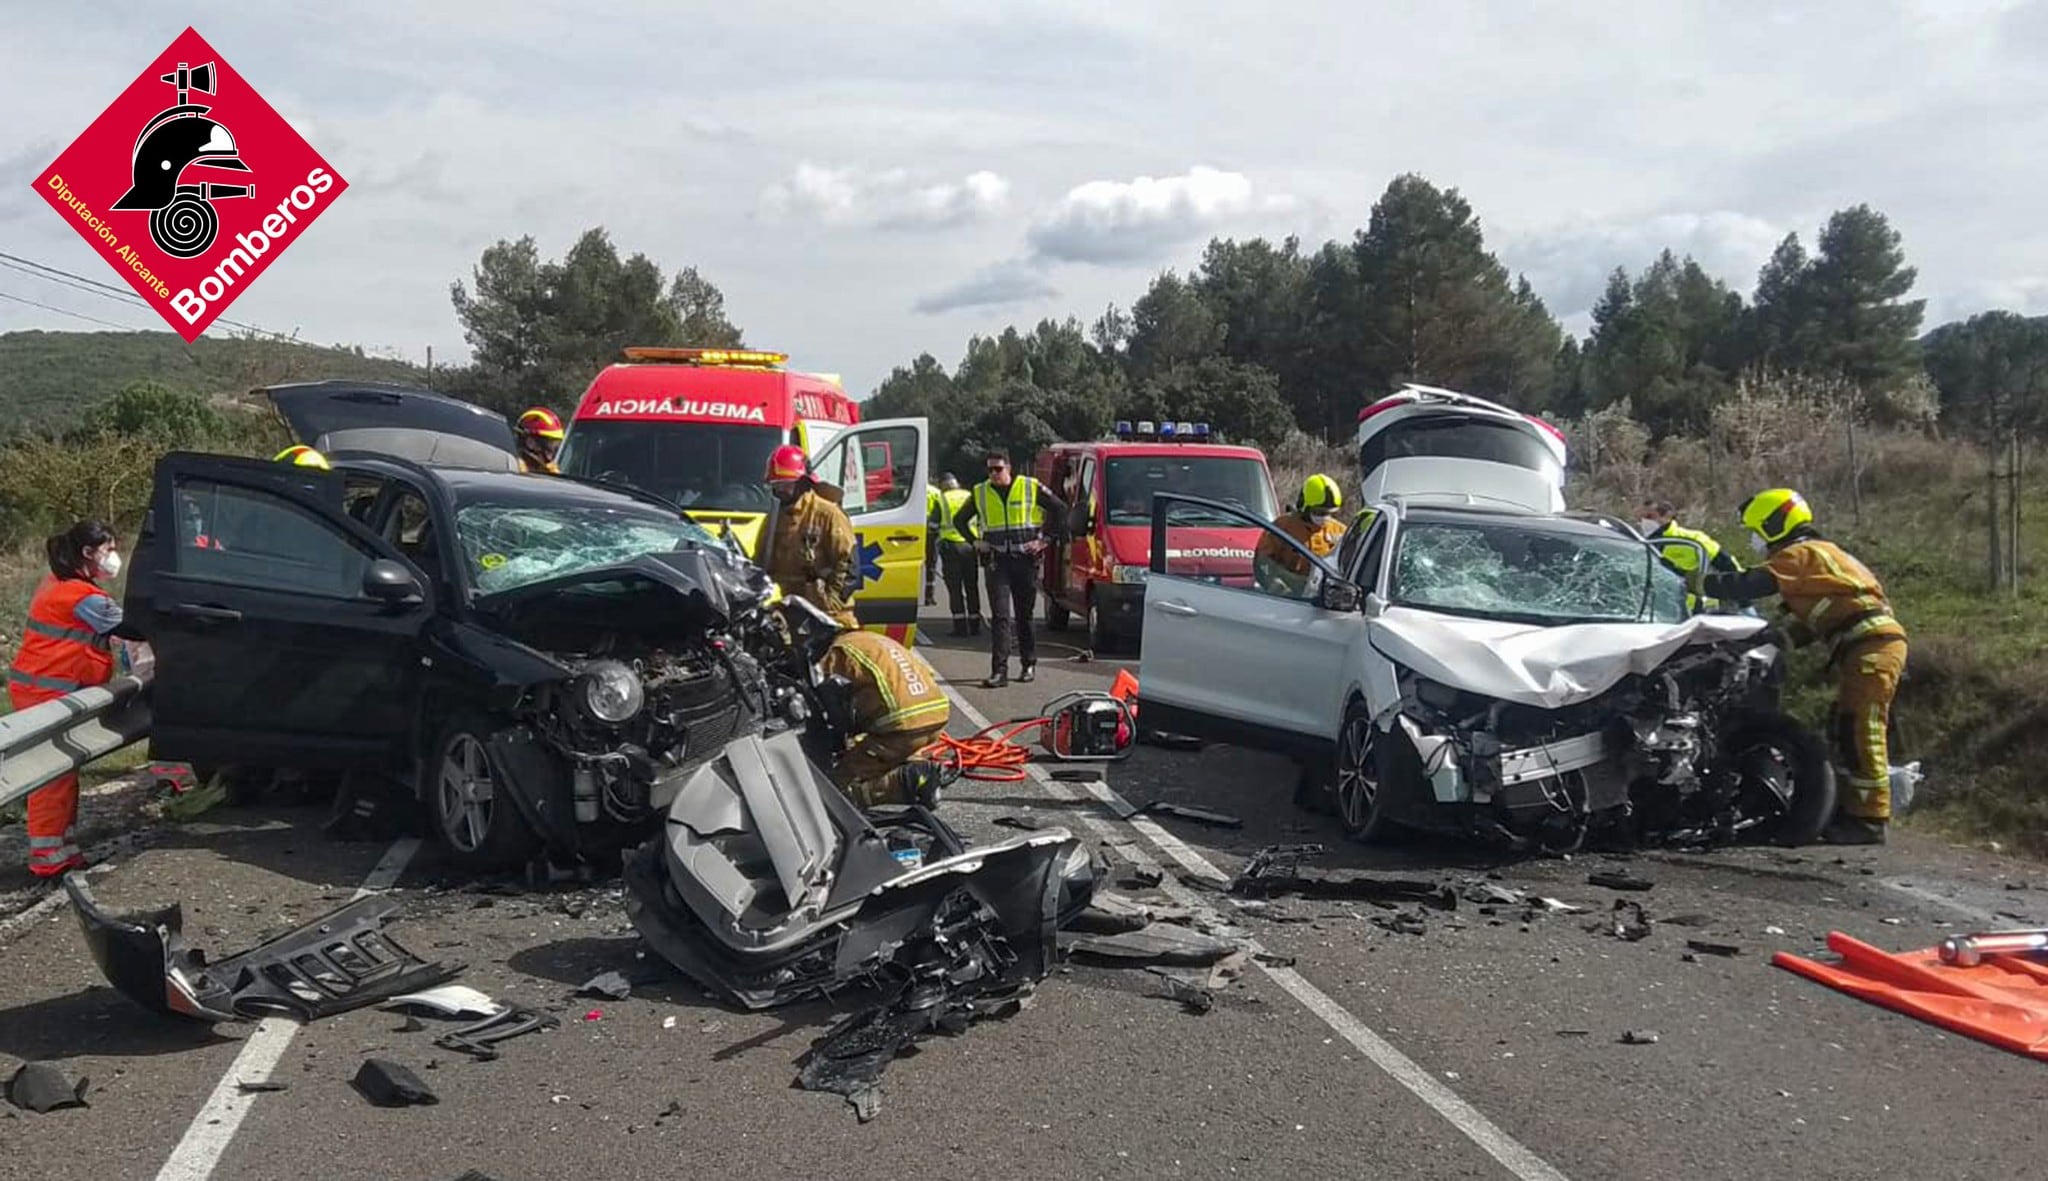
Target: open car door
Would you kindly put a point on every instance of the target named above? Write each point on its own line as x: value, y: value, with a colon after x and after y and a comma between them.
x: 882, y: 468
x: 273, y: 647
x: 1263, y: 666
x: 419, y: 425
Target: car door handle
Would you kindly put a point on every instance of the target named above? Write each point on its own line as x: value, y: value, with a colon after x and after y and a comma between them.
x: 1176, y: 607
x: 201, y: 611
x: 906, y: 537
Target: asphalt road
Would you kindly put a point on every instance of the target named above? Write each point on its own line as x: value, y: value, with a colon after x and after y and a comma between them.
x: 1486, y: 1046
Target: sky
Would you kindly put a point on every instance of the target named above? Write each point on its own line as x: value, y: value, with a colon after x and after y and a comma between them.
x: 866, y: 183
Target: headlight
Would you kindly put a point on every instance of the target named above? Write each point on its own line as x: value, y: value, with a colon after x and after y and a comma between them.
x: 1129, y: 575
x: 611, y: 691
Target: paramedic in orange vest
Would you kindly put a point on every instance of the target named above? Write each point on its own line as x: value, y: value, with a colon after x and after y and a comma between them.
x: 540, y: 440
x: 65, y: 646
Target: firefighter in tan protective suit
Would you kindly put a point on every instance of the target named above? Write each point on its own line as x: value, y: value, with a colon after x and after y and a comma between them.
x: 1831, y: 597
x: 894, y: 708
x: 1312, y: 522
x: 813, y: 548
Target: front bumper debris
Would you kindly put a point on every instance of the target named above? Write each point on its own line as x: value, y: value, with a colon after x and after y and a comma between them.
x: 340, y: 961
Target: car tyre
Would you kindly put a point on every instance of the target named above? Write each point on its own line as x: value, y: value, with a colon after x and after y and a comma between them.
x: 477, y: 825
x: 1368, y: 771
x: 1313, y: 790
x: 1800, y: 754
x: 1101, y: 640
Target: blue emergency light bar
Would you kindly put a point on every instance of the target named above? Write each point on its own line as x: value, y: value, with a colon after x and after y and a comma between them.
x: 1123, y: 428
x: 1165, y: 432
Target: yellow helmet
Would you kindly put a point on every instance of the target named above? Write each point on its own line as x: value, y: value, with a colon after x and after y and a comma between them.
x: 1320, y: 492
x: 301, y: 455
x: 1773, y: 514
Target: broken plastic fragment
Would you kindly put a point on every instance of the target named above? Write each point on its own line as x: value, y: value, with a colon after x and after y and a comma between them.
x: 481, y: 1039
x: 40, y: 1087
x: 1159, y: 943
x: 1639, y: 1037
x: 610, y: 986
x: 449, y: 1000
x: 1618, y: 881
x: 1721, y: 949
x: 389, y: 1084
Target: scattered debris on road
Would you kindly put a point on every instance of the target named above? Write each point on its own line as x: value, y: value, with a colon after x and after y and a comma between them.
x: 340, y: 961
x: 607, y: 986
x: 390, y: 1084
x: 1161, y: 944
x: 42, y: 1088
x: 1639, y: 1037
x: 1631, y: 922
x: 1179, y: 811
x: 1618, y: 880
x: 1277, y: 870
x: 448, y: 1000
x: 851, y: 1057
x: 261, y: 1086
x: 1724, y: 950
x: 480, y: 1040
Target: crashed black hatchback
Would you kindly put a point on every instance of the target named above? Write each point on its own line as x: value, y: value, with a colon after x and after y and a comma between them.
x: 544, y: 660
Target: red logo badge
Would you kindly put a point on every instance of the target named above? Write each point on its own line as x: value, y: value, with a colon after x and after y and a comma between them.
x: 190, y: 184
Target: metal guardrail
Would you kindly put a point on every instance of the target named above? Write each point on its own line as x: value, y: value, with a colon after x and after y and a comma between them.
x: 44, y: 741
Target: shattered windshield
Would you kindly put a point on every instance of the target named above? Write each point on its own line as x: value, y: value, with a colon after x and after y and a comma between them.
x: 510, y: 545
x: 1239, y: 482
x: 1537, y: 575
x: 698, y: 465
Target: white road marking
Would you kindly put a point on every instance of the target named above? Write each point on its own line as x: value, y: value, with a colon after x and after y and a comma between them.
x: 1513, y: 1155
x: 1979, y: 914
x: 213, y: 1129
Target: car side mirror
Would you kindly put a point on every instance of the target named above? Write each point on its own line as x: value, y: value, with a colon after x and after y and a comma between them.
x: 1338, y: 595
x: 392, y: 584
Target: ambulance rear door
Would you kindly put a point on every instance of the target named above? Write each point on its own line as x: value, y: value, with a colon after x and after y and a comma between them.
x: 888, y: 515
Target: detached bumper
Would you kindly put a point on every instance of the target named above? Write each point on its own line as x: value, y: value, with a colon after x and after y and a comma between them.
x: 1461, y: 773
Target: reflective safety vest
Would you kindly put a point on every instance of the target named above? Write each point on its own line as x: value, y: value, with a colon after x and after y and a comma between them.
x: 950, y: 503
x: 1682, y: 558
x: 1011, y: 522
x: 893, y: 688
x: 59, y: 653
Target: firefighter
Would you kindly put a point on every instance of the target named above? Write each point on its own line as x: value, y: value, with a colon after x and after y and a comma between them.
x: 957, y: 562
x: 893, y: 707
x: 300, y: 455
x: 813, y: 548
x: 1016, y: 515
x: 540, y: 439
x: 1830, y: 597
x: 66, y: 645
x: 1313, y: 522
x: 1659, y: 519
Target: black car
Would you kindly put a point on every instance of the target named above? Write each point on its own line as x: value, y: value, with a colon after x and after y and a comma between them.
x: 546, y: 660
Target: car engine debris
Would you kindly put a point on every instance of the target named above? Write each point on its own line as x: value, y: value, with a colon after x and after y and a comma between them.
x: 1276, y: 870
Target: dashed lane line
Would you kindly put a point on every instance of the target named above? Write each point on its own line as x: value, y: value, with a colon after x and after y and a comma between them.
x: 213, y: 1129
x: 1512, y: 1154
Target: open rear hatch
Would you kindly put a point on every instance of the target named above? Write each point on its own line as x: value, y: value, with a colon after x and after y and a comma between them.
x: 414, y: 424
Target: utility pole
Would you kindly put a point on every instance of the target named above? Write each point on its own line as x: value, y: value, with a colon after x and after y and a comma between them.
x: 430, y: 366
x: 2013, y: 497
x: 1991, y: 513
x: 1855, y: 472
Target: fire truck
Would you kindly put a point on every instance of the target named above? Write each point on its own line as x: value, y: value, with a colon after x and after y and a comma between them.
x: 1099, y: 576
x: 696, y: 427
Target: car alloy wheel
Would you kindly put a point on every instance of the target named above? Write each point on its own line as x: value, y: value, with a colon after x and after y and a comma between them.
x: 466, y: 791
x: 1358, y: 785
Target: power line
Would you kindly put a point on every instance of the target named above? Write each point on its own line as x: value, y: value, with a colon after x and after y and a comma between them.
x: 63, y: 312
x: 123, y: 297
x: 111, y: 290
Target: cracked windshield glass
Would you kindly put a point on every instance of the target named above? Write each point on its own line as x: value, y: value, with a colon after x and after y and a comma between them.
x: 507, y: 546
x: 1514, y: 572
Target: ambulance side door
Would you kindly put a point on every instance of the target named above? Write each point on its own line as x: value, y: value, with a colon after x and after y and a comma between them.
x: 888, y: 515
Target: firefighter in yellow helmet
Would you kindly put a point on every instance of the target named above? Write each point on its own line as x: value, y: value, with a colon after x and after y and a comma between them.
x: 301, y: 455
x: 1830, y: 597
x: 892, y: 707
x: 1658, y: 520
x: 1313, y: 522
x: 540, y: 439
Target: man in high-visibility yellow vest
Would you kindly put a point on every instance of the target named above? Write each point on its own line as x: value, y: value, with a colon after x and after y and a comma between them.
x: 1017, y: 516
x: 956, y: 557
x: 1659, y: 519
x: 895, y: 708
x: 931, y: 543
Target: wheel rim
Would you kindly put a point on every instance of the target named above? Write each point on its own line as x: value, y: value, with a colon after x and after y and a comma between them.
x: 1357, y: 784
x: 1768, y: 778
x: 466, y: 794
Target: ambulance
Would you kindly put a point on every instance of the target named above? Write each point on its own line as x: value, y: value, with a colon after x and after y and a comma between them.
x: 696, y: 427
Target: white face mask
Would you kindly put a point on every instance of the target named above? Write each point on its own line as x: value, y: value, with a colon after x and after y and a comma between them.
x: 1648, y: 525
x: 109, y: 563
x: 1758, y: 544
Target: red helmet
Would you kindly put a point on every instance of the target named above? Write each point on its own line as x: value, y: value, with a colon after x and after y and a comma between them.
x: 541, y: 422
x: 789, y: 463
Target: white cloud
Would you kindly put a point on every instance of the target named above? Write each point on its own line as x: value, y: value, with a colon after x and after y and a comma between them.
x: 1013, y: 282
x: 1569, y: 264
x: 889, y: 199
x: 1114, y: 221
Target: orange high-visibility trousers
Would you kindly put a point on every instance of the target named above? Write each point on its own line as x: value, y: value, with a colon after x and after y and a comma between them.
x: 1868, y: 678
x: 52, y: 808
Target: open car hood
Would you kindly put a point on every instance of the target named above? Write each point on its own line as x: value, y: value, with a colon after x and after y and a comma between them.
x: 1545, y: 667
x: 640, y: 594
x: 419, y: 425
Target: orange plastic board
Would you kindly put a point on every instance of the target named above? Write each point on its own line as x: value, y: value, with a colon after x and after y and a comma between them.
x: 2003, y: 1001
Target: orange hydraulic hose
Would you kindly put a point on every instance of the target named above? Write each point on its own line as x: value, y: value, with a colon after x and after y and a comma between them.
x: 992, y: 755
